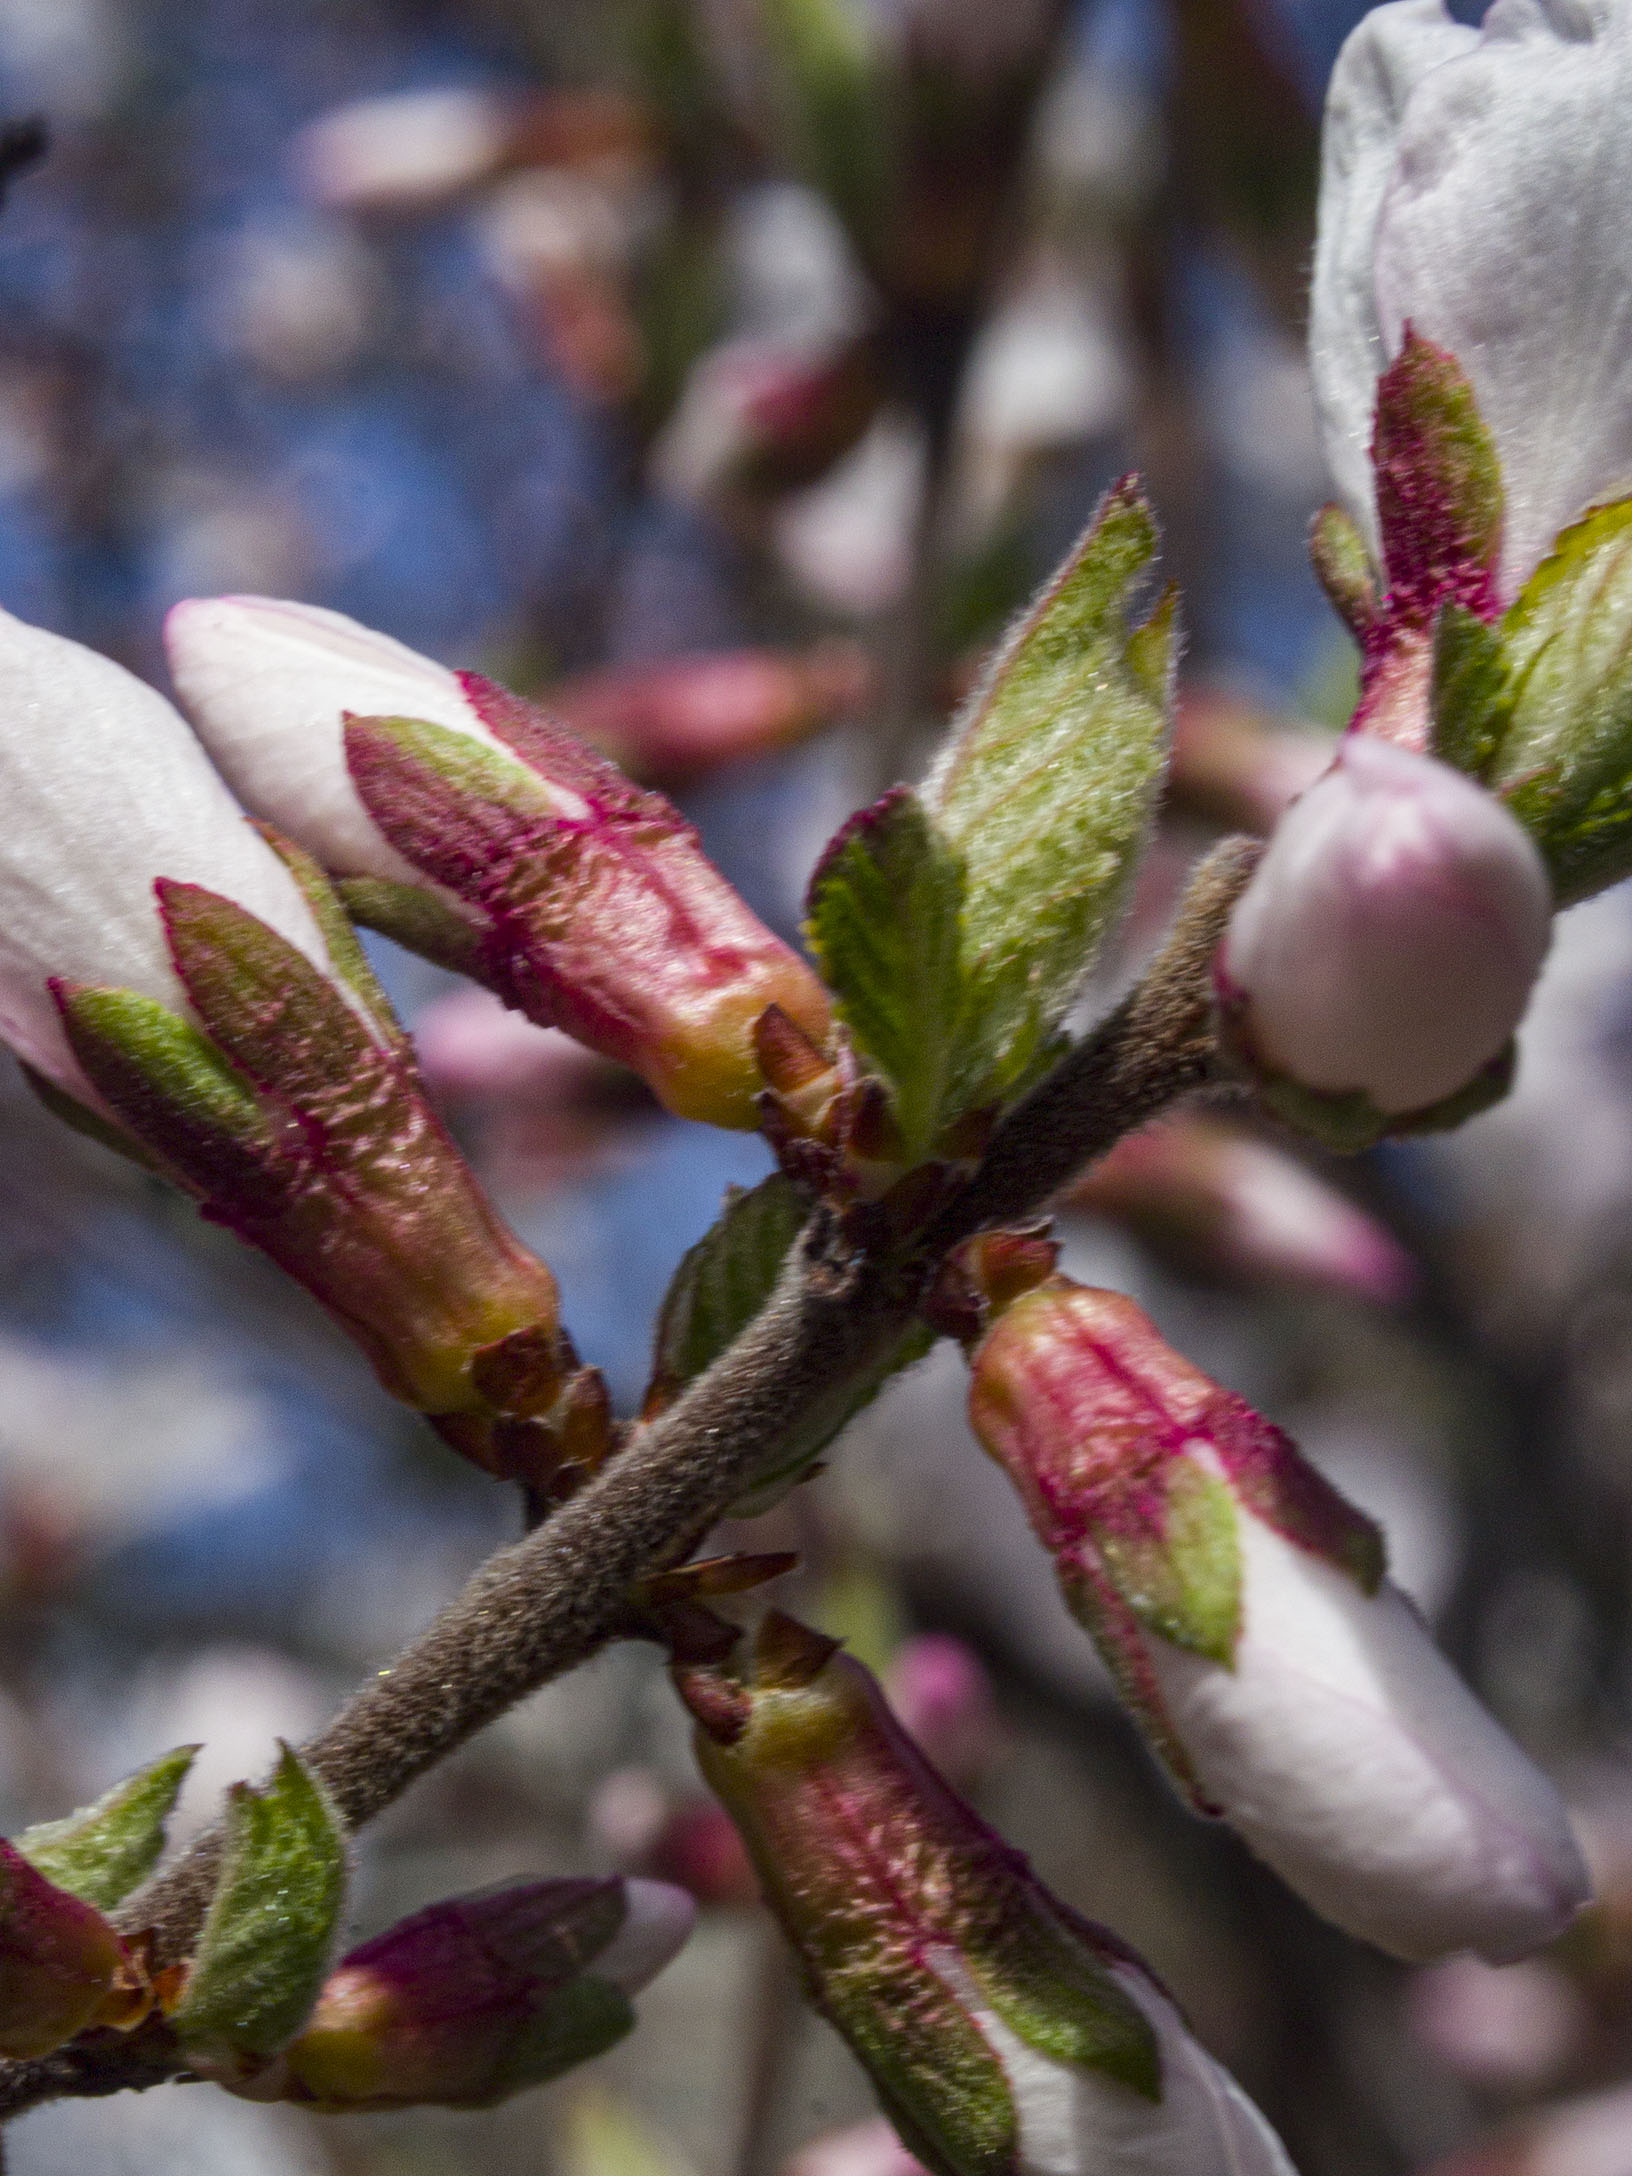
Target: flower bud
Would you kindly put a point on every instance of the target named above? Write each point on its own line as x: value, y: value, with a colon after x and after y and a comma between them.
x: 999, y: 2029
x: 102, y: 781
x: 62, y: 1967
x: 1208, y: 1193
x: 766, y: 415
x: 479, y: 1997
x: 1385, y: 949
x: 1242, y: 1607
x: 205, y: 993
x: 1473, y: 185
x: 586, y: 903
x: 687, y: 716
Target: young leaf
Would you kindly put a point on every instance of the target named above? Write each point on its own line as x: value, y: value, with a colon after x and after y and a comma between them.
x: 723, y: 1282
x: 100, y: 1853
x: 1564, y: 766
x: 884, y: 920
x: 269, y: 1934
x: 1047, y: 789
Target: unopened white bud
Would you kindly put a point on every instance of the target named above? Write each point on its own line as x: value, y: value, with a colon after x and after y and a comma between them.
x: 1348, y: 1753
x: 106, y: 790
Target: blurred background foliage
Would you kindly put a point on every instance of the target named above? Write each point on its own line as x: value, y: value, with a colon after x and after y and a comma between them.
x: 725, y: 372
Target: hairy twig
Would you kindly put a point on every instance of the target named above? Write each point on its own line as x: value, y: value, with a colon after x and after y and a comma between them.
x: 550, y: 1601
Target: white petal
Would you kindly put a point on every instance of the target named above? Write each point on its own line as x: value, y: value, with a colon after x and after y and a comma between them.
x: 1081, y: 2123
x: 657, y: 1919
x: 1380, y: 65
x: 1505, y: 238
x: 1350, y: 1756
x: 105, y: 789
x: 266, y: 682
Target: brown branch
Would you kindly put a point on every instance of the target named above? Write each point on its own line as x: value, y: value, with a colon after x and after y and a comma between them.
x: 550, y: 1601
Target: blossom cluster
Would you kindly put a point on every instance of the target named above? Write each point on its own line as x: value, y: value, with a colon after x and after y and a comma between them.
x: 182, y: 978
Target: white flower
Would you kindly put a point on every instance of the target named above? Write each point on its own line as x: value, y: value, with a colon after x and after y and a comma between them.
x: 267, y: 682
x: 1475, y: 184
x: 1348, y: 1753
x: 105, y: 790
x: 1390, y: 937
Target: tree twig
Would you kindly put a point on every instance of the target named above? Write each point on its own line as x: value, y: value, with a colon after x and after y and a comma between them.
x: 551, y: 1600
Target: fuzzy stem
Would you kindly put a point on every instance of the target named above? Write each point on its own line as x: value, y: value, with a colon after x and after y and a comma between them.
x: 553, y: 1599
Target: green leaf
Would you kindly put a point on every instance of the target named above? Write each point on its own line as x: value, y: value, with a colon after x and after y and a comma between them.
x: 1564, y: 766
x: 720, y: 1286
x: 175, y: 1091
x: 723, y: 1282
x: 269, y: 1934
x: 884, y: 920
x: 935, y: 2075
x: 1047, y: 791
x: 1471, y: 701
x: 101, y: 1853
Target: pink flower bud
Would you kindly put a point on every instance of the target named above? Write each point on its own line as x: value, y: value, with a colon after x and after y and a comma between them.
x: 763, y: 416
x: 62, y: 1967
x: 1241, y: 1605
x: 584, y: 902
x: 1387, y: 944
x: 999, y: 2029
x: 1215, y: 1197
x: 479, y: 1997
x: 688, y: 716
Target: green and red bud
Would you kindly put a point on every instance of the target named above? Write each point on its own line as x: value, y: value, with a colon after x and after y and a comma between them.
x: 229, y: 1031
x: 1001, y: 2032
x: 297, y: 1119
x: 481, y: 1996
x: 587, y: 903
x: 62, y: 1967
x: 1241, y: 1605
